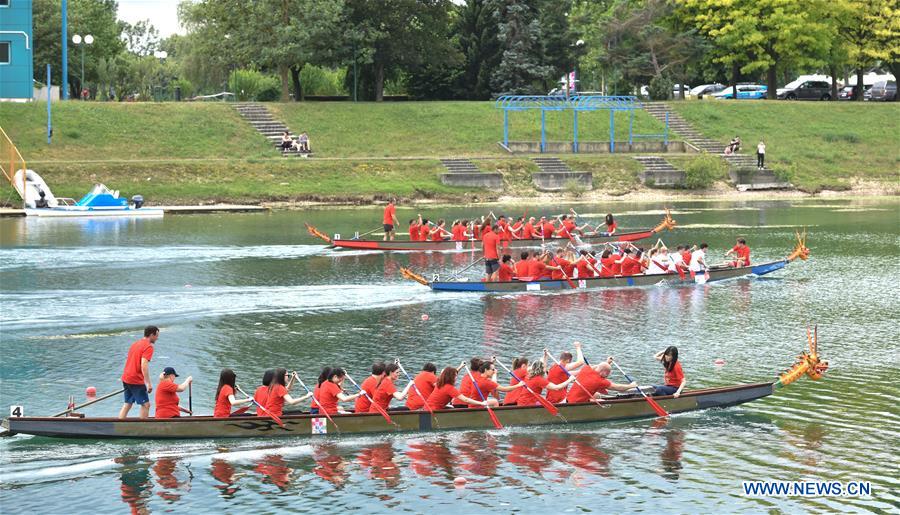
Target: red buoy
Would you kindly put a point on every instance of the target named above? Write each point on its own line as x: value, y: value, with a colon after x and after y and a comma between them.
x: 460, y: 481
x: 90, y: 391
x: 424, y: 317
x: 719, y: 362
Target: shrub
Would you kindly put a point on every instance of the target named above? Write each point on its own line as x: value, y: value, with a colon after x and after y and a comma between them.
x: 187, y: 89
x: 269, y: 89
x: 573, y: 188
x: 322, y: 81
x: 702, y: 171
x: 660, y: 88
x: 246, y: 84
x: 841, y: 138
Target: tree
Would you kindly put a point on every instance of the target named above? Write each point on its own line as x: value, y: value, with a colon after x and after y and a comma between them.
x: 476, y: 28
x: 759, y: 35
x: 871, y: 31
x: 557, y: 38
x: 521, y: 68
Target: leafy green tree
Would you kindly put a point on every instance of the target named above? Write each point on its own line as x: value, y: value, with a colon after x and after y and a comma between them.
x: 477, y: 28
x: 521, y: 69
x: 871, y: 31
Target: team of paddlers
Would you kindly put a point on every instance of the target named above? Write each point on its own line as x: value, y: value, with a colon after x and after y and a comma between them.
x: 571, y: 379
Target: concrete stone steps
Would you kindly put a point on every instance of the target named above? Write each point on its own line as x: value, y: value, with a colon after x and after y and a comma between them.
x: 266, y: 125
x: 459, y: 166
x: 658, y: 172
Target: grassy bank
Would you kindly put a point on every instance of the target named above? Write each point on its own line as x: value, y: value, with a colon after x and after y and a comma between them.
x: 817, y: 145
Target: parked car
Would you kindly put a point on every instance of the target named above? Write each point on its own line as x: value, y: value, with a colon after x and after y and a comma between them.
x: 849, y: 92
x: 801, y: 89
x: 744, y: 92
x: 883, y: 91
x: 706, y: 89
x: 645, y: 91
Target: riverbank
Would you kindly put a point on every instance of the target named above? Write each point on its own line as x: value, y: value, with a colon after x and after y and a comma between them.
x: 191, y: 153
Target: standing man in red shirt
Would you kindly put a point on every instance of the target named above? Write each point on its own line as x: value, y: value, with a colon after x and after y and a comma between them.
x: 136, y: 376
x: 390, y: 220
x: 490, y: 245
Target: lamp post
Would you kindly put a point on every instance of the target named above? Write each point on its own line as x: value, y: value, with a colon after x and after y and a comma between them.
x: 161, y: 55
x: 578, y: 45
x: 78, y: 40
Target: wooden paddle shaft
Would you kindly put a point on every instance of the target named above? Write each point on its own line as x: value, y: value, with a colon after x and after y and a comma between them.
x: 98, y: 399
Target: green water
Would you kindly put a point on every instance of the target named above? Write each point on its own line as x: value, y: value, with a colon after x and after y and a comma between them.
x: 254, y: 291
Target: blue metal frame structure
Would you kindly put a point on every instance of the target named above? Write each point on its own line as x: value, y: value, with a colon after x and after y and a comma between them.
x: 576, y: 104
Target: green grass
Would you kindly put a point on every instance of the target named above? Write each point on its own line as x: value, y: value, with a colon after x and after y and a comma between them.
x: 250, y: 182
x: 85, y: 131
x: 816, y: 145
x: 615, y: 175
x: 395, y: 129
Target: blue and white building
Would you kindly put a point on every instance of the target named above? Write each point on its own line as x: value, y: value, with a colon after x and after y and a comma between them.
x: 16, y: 50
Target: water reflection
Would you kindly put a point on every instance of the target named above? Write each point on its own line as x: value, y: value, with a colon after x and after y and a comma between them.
x: 136, y: 486
x: 171, y: 487
x: 330, y: 465
x: 275, y: 470
x: 379, y: 462
x: 224, y: 473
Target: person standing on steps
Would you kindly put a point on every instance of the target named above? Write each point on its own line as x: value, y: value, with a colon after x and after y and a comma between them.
x: 760, y: 155
x: 390, y: 220
x: 136, y: 376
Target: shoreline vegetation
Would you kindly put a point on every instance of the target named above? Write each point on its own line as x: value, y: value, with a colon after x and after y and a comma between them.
x: 193, y: 153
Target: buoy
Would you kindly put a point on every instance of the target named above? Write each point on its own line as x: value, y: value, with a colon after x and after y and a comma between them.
x: 719, y: 362
x: 460, y: 481
x: 187, y: 285
x: 90, y: 391
x: 424, y: 317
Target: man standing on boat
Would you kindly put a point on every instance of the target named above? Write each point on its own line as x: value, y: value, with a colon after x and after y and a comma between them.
x: 491, y: 248
x: 136, y: 376
x: 390, y: 220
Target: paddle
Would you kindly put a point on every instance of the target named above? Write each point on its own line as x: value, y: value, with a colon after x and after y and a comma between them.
x: 473, y: 263
x: 568, y: 374
x: 321, y: 409
x: 190, y: 400
x: 88, y: 403
x: 544, y: 402
x: 416, y: 388
x: 372, y: 401
x: 365, y: 233
x: 260, y: 406
x: 493, y: 415
x: 563, y: 272
x: 653, y: 404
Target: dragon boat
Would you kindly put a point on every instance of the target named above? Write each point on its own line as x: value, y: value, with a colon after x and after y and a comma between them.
x: 356, y: 243
x: 629, y: 406
x: 714, y: 273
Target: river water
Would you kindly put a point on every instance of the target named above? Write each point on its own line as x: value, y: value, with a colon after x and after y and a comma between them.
x: 254, y: 291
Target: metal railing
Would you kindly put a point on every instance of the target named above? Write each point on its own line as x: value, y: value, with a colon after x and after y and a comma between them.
x: 10, y: 162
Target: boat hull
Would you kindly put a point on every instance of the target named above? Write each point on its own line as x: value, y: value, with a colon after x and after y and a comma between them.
x: 404, y: 421
x: 671, y: 278
x: 475, y: 245
x: 77, y: 211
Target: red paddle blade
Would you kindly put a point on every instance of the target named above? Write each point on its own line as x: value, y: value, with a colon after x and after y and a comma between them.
x: 656, y: 407
x: 494, y: 419
x: 384, y: 414
x: 241, y: 410
x: 548, y: 405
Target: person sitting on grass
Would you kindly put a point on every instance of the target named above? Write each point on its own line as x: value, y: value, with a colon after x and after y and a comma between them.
x: 286, y: 141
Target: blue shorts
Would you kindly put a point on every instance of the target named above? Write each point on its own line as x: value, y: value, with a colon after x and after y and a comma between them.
x: 664, y: 390
x: 136, y: 394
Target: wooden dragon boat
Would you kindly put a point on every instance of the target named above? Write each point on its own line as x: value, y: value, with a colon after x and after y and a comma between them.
x: 339, y: 243
x: 716, y: 273
x: 614, y: 408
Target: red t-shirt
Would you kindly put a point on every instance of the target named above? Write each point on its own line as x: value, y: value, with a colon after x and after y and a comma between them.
x: 487, y: 387
x: 617, y: 267
x: 459, y: 232
x: 275, y: 399
x: 166, y: 399
x: 223, y: 406
x: 437, y: 234
x: 414, y: 231
x: 556, y: 375
x: 523, y: 269
x: 363, y: 404
x: 610, y: 228
x: 260, y: 396
x: 383, y: 395
x: 592, y: 381
x: 742, y: 253
x: 607, y: 265
x: 476, y: 232
x: 506, y: 272
x: 566, y: 267
x: 584, y: 269
x: 489, y: 245
x: 675, y: 376
x: 548, y: 229
x: 513, y: 396
x: 686, y: 257
x: 328, y: 397
x: 537, y: 385
x: 389, y: 214
x: 423, y: 232
x: 441, y: 396
x: 141, y: 349
x: 528, y: 231
x: 424, y: 382
x: 631, y: 266
x: 466, y: 388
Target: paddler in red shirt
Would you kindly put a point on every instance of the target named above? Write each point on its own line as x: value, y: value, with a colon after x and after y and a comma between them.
x: 424, y: 230
x: 437, y: 234
x: 538, y: 269
x: 458, y: 230
x: 330, y: 391
x: 486, y: 378
x: 557, y: 374
x: 516, y: 228
x: 390, y: 220
x: 225, y: 398
x: 136, y: 376
x: 593, y: 378
x: 523, y: 266
x: 262, y: 392
x: 506, y: 272
x: 445, y: 391
x: 561, y: 267
x: 547, y: 228
x: 424, y: 382
x: 520, y: 371
x: 741, y: 253
x: 536, y: 382
x: 387, y: 390
x: 584, y: 267
x: 465, y: 384
x: 278, y: 394
x: 611, y: 225
x: 528, y: 230
x: 167, y: 394
x: 414, y: 225
x: 490, y: 246
x: 674, y: 376
x: 369, y: 385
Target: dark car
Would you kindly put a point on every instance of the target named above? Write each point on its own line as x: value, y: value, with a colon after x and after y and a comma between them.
x: 849, y: 92
x: 805, y: 90
x: 883, y: 91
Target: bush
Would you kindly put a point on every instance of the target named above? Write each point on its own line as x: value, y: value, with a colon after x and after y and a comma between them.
x: 269, y: 90
x: 660, y: 88
x: 573, y: 188
x: 322, y: 81
x: 247, y: 84
x: 702, y: 171
x: 187, y: 89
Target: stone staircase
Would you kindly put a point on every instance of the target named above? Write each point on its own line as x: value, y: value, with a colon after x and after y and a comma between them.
x: 556, y: 175
x: 659, y: 173
x: 463, y: 173
x: 261, y: 119
x: 680, y: 126
x: 459, y: 166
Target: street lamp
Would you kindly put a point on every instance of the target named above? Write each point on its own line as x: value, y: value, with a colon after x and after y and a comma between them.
x: 161, y: 55
x: 78, y: 40
x: 578, y: 45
